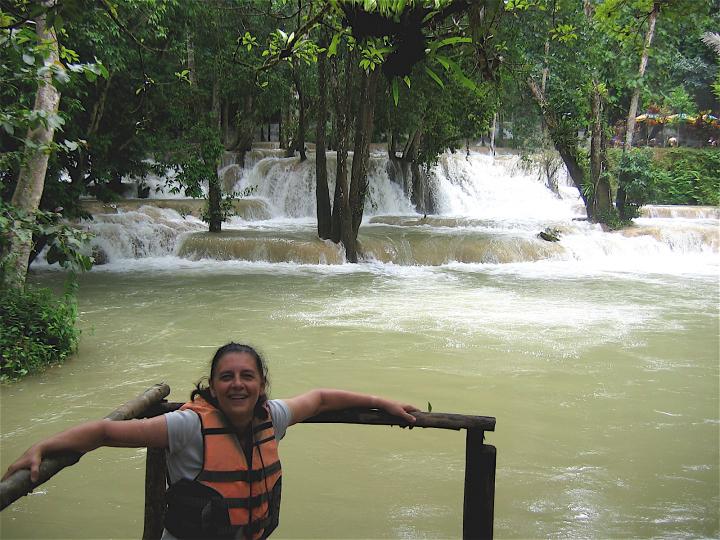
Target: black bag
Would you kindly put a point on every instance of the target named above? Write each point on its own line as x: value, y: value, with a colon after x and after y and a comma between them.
x: 197, y: 512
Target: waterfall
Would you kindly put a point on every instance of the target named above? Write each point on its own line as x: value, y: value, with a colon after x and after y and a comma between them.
x: 489, y: 211
x: 288, y: 185
x: 481, y: 185
x: 146, y: 232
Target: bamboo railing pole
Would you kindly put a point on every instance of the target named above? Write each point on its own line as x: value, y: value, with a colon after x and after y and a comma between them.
x: 19, y: 484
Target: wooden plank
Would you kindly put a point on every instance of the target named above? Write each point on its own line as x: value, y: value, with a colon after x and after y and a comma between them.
x: 479, y: 501
x: 154, y: 494
x: 19, y: 484
x: 424, y: 420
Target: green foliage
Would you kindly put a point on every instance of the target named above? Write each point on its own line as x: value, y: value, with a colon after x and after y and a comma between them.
x: 66, y: 245
x: 635, y: 174
x: 36, y: 330
x: 668, y: 176
x: 26, y: 62
x: 687, y: 176
x: 611, y: 219
x: 679, y: 101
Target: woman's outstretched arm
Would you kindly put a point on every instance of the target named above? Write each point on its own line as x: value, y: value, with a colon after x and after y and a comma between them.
x: 151, y: 432
x: 326, y: 399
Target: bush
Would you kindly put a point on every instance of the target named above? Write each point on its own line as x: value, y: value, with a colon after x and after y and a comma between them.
x: 668, y: 176
x: 635, y: 174
x: 688, y: 176
x: 36, y: 330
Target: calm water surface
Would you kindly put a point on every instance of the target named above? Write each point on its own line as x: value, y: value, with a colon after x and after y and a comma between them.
x: 605, y: 387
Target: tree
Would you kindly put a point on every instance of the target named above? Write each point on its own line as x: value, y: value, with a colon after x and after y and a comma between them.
x: 31, y: 179
x: 632, y: 110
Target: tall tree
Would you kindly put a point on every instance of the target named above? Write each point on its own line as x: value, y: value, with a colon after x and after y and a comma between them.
x: 621, y: 196
x: 31, y: 180
x: 322, y: 194
x: 632, y: 110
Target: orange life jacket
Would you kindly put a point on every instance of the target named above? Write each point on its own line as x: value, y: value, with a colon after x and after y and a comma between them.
x: 250, y: 491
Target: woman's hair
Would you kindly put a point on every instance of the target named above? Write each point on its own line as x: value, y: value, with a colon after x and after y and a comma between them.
x: 203, y: 390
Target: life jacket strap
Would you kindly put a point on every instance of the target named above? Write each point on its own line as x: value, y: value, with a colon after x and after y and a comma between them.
x: 247, y: 502
x: 254, y: 475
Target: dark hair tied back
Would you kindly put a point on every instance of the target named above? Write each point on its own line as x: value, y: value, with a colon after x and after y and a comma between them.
x: 203, y: 390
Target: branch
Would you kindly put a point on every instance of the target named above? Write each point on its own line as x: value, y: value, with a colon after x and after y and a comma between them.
x: 113, y: 15
x: 302, y: 31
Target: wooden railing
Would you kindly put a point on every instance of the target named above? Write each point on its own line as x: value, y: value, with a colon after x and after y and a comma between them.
x: 480, y: 459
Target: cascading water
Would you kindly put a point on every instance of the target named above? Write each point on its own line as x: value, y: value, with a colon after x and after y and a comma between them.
x: 483, y: 186
x: 288, y: 185
x: 489, y: 211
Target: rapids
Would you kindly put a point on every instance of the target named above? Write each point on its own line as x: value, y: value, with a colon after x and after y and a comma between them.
x: 598, y: 354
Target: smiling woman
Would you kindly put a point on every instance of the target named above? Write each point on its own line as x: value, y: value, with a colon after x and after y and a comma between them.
x: 222, y: 446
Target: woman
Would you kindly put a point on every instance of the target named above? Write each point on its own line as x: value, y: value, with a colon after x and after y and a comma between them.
x: 221, y: 446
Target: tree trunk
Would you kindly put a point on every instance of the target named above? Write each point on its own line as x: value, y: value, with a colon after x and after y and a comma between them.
x: 563, y: 141
x: 493, y: 128
x: 322, y: 195
x: 620, y: 199
x: 284, y: 122
x: 632, y: 112
x: 214, y: 189
x: 364, y: 124
x: 300, y: 139
x: 190, y: 48
x: 225, y: 136
x: 31, y: 180
x: 215, y: 111
x: 341, y: 204
x: 214, y: 200
x: 601, y: 201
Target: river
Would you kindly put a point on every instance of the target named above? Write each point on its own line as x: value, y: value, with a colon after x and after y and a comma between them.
x: 598, y: 356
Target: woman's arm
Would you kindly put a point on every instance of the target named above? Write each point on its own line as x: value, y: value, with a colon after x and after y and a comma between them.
x: 324, y: 399
x: 151, y: 432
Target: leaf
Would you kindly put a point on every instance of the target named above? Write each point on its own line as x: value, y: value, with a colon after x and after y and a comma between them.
x: 29, y: 59
x: 407, y: 80
x: 451, y: 41
x: 429, y: 16
x: 429, y: 407
x: 434, y: 77
x: 395, y: 91
x: 444, y: 61
x: 103, y: 70
x: 332, y: 49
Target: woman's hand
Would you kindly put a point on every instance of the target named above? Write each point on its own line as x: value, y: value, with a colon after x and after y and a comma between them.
x: 31, y: 459
x: 396, y: 408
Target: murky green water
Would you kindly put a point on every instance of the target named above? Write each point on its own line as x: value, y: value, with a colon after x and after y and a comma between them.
x: 605, y: 388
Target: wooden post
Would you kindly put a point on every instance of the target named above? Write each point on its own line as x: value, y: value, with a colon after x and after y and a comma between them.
x: 479, y: 502
x: 154, y: 494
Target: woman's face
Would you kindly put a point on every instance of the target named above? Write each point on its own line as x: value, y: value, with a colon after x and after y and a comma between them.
x: 237, y: 384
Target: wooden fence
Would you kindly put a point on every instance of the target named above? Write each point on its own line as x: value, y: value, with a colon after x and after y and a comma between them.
x: 480, y: 459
